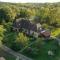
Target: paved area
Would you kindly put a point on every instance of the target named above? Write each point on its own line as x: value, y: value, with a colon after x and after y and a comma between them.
x: 17, y: 55
x: 17, y: 58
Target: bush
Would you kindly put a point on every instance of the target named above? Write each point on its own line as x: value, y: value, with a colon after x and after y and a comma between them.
x: 22, y: 39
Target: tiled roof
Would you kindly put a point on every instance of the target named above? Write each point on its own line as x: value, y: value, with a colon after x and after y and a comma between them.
x: 25, y: 24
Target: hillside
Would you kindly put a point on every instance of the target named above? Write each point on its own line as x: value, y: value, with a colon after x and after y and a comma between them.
x: 20, y: 23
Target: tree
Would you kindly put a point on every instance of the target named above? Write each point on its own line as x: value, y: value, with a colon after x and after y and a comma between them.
x: 2, y: 30
x: 42, y: 15
x: 24, y: 13
x: 23, y: 40
x: 54, y: 16
x: 6, y: 14
x: 9, y: 38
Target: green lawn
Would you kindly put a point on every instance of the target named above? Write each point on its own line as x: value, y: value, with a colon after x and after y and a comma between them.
x: 42, y: 54
x: 6, y: 55
x: 55, y: 32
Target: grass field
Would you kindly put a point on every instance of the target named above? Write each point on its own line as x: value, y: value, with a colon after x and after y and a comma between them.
x: 6, y: 55
x: 42, y: 54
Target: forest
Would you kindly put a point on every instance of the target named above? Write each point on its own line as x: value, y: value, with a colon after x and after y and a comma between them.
x: 47, y: 14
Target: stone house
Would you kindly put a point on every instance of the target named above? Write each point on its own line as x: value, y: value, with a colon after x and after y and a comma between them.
x: 30, y: 28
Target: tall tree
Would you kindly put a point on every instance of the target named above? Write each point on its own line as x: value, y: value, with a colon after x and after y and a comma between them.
x: 6, y: 14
